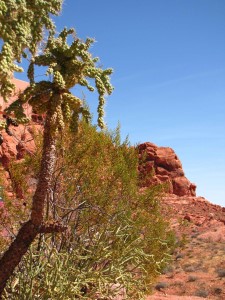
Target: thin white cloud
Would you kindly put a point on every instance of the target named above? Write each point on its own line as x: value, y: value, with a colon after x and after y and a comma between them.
x: 190, y: 135
x: 136, y: 75
x: 188, y: 77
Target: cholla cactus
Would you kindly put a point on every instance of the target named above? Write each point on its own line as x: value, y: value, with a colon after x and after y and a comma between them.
x: 21, y: 27
x: 21, y: 24
x: 71, y: 65
x: 68, y: 65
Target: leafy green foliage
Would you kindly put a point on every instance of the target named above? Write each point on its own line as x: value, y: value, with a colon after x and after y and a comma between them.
x: 116, y: 238
x: 21, y: 29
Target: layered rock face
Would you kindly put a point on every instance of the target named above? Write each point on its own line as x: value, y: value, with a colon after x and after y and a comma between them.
x: 21, y: 138
x: 14, y: 147
x: 161, y: 165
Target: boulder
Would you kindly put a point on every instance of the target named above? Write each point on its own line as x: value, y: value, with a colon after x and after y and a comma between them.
x: 161, y: 165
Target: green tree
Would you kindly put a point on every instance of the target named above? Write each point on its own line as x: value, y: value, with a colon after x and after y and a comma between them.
x: 68, y: 65
x: 116, y: 238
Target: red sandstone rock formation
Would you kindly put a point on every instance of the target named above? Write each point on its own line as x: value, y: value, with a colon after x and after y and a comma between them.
x: 14, y: 147
x: 161, y: 165
x: 21, y: 141
x: 20, y: 86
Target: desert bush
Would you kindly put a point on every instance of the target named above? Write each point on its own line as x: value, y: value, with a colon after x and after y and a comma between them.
x: 189, y: 268
x: 168, y: 269
x: 220, y: 272
x: 201, y: 293
x: 217, y: 291
x: 116, y: 237
x: 192, y: 278
x: 161, y: 285
x: 179, y: 256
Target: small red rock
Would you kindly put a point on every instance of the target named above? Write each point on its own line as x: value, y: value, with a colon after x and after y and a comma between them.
x: 187, y: 217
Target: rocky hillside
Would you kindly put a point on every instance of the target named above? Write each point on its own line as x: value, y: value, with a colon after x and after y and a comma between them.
x: 197, y: 269
x: 198, y: 264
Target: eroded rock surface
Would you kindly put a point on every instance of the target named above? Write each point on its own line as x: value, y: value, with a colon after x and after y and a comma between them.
x: 21, y: 138
x: 161, y: 165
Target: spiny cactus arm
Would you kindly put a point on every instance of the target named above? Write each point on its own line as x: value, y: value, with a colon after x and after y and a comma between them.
x: 22, y: 25
x: 72, y: 64
x: 2, y: 124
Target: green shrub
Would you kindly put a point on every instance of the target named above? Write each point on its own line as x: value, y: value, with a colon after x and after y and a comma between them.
x: 192, y: 278
x: 116, y: 237
x: 201, y: 293
x: 221, y: 272
x: 161, y: 285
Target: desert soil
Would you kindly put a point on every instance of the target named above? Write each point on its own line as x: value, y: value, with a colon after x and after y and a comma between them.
x: 197, y: 269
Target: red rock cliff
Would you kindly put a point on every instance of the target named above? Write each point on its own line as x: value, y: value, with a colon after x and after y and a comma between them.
x: 20, y: 141
x: 161, y: 165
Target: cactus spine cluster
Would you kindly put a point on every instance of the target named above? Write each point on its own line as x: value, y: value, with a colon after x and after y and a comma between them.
x: 21, y: 29
x: 67, y: 65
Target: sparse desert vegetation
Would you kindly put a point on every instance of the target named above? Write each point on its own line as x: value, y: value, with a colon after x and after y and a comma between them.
x: 197, y: 269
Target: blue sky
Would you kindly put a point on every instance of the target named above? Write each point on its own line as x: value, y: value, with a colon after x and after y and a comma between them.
x: 168, y: 58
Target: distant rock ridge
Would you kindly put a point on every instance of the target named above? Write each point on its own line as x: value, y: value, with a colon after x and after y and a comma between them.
x: 161, y: 165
